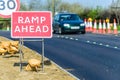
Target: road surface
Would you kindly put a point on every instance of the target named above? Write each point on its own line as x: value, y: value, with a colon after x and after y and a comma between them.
x: 88, y: 57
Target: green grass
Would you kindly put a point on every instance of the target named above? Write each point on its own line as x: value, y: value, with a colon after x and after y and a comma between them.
x: 4, y: 28
x: 118, y: 27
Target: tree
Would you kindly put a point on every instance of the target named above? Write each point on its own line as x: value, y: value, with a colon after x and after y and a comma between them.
x: 5, y: 23
x: 85, y: 13
x: 64, y: 7
x: 23, y: 7
x: 115, y: 8
x: 51, y: 5
x: 31, y: 5
x: 35, y: 5
x: 95, y: 13
x: 103, y: 14
x: 73, y: 8
x: 76, y: 8
x: 48, y: 5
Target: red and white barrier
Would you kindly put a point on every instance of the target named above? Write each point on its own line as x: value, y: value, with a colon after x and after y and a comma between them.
x: 108, y: 28
x: 86, y: 25
x: 100, y: 27
x: 90, y: 26
x: 115, y: 31
x: 104, y: 27
x: 95, y: 27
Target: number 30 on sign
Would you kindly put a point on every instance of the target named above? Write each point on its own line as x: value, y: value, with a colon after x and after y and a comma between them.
x: 7, y: 7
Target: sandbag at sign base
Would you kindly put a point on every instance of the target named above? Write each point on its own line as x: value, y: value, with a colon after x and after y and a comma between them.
x: 33, y: 65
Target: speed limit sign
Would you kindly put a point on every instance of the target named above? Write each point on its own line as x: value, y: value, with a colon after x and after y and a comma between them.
x: 8, y: 6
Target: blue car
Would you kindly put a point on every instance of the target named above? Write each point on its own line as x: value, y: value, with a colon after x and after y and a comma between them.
x: 68, y: 22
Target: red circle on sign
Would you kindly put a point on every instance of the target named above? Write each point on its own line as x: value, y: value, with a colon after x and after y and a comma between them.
x: 17, y: 9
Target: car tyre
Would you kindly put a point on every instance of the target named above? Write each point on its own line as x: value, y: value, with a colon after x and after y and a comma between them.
x: 60, y: 31
x: 83, y: 32
x: 54, y: 31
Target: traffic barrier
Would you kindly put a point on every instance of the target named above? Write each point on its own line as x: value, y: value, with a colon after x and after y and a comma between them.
x: 95, y: 27
x: 90, y: 24
x: 100, y: 27
x: 104, y: 27
x: 86, y: 25
x: 115, y: 31
x: 108, y: 26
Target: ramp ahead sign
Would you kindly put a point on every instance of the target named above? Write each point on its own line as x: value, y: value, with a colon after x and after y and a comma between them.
x: 31, y: 24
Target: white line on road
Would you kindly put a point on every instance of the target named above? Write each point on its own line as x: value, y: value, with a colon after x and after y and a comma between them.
x: 94, y: 42
x: 91, y: 42
x: 71, y: 38
x: 100, y: 44
x: 62, y: 36
x: 58, y: 36
x: 76, y: 39
x: 107, y: 45
x: 115, y: 47
x: 88, y: 41
x: 66, y: 37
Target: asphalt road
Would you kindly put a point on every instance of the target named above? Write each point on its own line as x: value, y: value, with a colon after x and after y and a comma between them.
x: 88, y: 57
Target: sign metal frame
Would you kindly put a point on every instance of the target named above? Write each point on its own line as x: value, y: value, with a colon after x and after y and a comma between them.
x: 21, y: 39
x: 22, y: 12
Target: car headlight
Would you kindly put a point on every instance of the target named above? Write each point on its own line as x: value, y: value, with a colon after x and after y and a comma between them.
x: 67, y: 25
x: 82, y: 24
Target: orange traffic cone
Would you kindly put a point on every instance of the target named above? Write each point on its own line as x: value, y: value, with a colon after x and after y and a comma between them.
x: 86, y: 25
x: 95, y: 27
x: 100, y: 27
x: 108, y: 26
x: 115, y: 31
x: 104, y: 27
x: 90, y: 25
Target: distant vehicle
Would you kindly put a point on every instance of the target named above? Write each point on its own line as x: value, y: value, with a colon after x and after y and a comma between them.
x: 68, y: 22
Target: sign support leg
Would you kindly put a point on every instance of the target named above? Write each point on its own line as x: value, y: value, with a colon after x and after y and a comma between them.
x: 22, y: 42
x: 20, y: 50
x: 42, y: 54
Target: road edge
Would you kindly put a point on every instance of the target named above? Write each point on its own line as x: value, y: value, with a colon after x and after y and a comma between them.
x: 62, y: 68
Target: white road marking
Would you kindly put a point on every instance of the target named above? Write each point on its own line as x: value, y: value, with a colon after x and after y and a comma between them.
x: 76, y: 39
x: 115, y: 47
x: 100, y: 44
x: 58, y: 36
x: 88, y: 41
x: 62, y: 36
x: 71, y: 38
x: 107, y: 45
x: 66, y: 37
x: 94, y: 42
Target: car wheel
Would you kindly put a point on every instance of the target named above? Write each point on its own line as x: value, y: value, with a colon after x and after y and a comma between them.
x: 83, y: 32
x: 54, y: 31
x: 60, y: 31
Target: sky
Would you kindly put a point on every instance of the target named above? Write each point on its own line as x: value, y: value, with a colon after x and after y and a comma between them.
x: 87, y: 3
x: 92, y: 3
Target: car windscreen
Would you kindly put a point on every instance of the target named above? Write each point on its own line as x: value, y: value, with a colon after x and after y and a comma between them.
x: 64, y: 17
